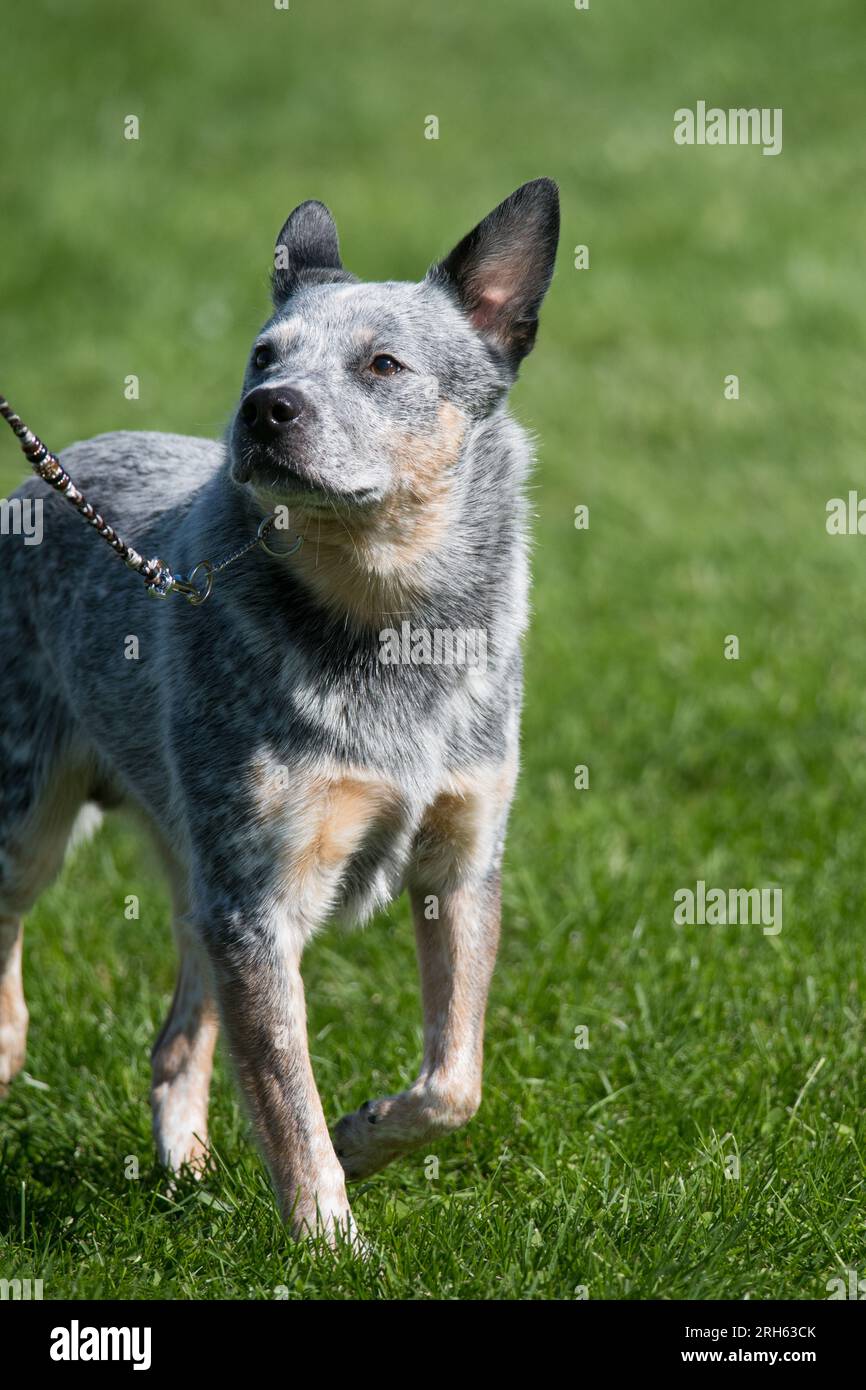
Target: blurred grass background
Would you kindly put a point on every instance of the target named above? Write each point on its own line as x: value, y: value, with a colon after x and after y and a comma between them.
x: 601, y: 1168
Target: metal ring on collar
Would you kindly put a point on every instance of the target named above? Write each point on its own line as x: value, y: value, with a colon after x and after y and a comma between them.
x: 266, y: 524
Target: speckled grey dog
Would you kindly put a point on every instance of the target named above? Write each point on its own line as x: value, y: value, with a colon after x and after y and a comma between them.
x: 288, y: 773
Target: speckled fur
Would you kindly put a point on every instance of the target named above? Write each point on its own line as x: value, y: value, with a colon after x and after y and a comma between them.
x: 286, y: 774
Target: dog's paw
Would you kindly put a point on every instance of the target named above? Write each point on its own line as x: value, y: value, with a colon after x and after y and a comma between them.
x: 189, y: 1166
x: 382, y: 1130
x: 333, y: 1230
x: 180, y: 1133
x: 192, y: 1159
x: 375, y: 1134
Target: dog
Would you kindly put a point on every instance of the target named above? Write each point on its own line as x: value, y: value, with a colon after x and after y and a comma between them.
x: 292, y: 766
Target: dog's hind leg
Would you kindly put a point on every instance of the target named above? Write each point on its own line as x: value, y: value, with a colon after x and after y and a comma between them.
x: 455, y: 892
x: 42, y: 788
x: 182, y: 1061
x: 13, y: 1009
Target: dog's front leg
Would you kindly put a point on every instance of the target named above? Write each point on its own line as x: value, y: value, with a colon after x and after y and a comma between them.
x: 455, y: 892
x: 261, y: 998
x: 456, y: 954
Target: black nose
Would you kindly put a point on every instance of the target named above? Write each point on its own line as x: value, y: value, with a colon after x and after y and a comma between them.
x: 268, y: 410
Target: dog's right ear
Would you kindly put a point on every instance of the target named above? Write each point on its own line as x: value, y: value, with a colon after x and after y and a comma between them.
x: 307, y: 250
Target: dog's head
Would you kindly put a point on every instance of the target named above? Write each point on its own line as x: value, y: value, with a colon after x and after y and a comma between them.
x: 356, y: 392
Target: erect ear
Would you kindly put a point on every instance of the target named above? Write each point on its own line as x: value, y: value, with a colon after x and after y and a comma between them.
x: 500, y: 271
x: 307, y: 249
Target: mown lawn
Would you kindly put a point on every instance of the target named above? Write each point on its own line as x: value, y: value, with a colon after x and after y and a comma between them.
x: 602, y: 1168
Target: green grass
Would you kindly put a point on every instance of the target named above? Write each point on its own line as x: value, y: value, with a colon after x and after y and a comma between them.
x: 602, y: 1167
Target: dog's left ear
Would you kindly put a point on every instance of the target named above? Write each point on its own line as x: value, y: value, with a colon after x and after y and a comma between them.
x: 307, y: 249
x: 500, y: 272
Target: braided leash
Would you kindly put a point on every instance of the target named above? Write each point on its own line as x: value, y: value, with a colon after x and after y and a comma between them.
x: 159, y: 579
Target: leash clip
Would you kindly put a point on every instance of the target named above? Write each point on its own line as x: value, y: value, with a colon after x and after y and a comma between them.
x: 194, y: 590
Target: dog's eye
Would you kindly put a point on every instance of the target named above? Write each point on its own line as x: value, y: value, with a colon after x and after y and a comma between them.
x: 383, y: 365
x: 261, y: 357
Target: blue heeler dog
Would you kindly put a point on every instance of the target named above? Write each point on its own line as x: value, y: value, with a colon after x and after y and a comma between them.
x: 288, y: 774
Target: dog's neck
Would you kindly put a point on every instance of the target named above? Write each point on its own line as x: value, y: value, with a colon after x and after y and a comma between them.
x: 376, y: 566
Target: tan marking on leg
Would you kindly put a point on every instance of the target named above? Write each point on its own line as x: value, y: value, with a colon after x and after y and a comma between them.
x: 345, y: 813
x: 345, y: 809
x: 317, y: 826
x: 459, y: 829
x: 13, y: 1008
